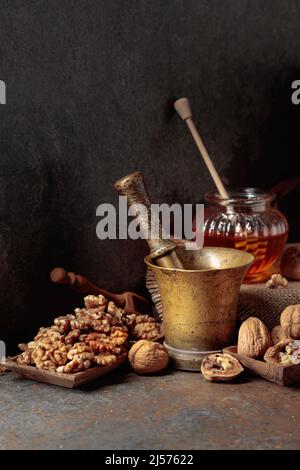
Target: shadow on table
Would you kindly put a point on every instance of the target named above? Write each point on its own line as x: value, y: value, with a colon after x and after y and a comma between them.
x: 123, y: 374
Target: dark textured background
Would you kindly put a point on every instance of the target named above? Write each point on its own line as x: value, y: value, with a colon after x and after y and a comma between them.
x: 89, y: 91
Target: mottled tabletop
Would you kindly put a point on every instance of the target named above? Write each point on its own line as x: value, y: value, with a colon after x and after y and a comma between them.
x: 178, y: 410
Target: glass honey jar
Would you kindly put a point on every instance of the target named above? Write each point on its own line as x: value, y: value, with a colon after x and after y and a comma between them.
x: 247, y: 221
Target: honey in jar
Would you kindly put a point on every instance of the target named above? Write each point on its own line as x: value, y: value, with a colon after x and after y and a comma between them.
x: 247, y: 221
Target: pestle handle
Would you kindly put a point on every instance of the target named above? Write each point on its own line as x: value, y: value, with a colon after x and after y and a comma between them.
x: 183, y: 108
x: 163, y: 251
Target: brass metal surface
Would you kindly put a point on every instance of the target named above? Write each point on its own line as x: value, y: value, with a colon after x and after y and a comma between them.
x: 200, y: 303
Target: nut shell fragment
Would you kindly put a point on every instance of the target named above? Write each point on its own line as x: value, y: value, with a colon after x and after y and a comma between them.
x: 253, y: 338
x: 220, y: 367
x: 272, y: 354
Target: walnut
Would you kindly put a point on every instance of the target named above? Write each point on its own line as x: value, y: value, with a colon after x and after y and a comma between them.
x: 105, y: 359
x: 60, y: 356
x: 82, y: 321
x: 102, y: 347
x: 77, y: 349
x: 130, y: 319
x: 75, y: 365
x: 220, y: 367
x: 147, y: 330
x: 253, y: 338
x: 144, y: 319
x: 79, y: 312
x: 47, y: 355
x: 102, y: 326
x: 277, y: 281
x: 41, y: 333
x: 97, y: 315
x: 277, y: 334
x: 85, y: 356
x: 118, y: 328
x: 107, y: 344
x: 82, y: 337
x: 63, y: 323
x: 25, y: 357
x: 95, y: 302
x: 38, y: 354
x: 290, y: 320
x: 116, y: 313
x: 147, y: 357
x: 273, y: 354
x: 72, y: 336
x: 118, y: 337
x: 48, y: 335
x: 290, y: 263
x: 111, y: 307
x: 46, y: 365
x: 95, y: 334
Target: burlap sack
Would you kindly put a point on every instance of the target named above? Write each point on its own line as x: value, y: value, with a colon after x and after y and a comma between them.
x: 256, y: 300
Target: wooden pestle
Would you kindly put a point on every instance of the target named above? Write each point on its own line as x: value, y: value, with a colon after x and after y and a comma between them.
x: 162, y: 251
x: 129, y: 301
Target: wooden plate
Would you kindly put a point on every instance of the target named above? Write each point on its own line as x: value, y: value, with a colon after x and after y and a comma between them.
x: 282, y: 375
x: 63, y: 380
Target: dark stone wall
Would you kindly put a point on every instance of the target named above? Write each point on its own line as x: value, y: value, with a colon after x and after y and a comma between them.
x: 90, y: 85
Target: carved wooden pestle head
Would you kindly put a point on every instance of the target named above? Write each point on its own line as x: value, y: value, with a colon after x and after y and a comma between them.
x: 162, y: 251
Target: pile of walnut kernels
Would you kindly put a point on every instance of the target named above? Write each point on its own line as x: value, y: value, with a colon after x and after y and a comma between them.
x: 94, y: 335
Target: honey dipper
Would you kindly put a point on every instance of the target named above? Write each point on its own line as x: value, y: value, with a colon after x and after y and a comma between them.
x: 251, y: 244
x: 129, y: 301
x: 183, y: 108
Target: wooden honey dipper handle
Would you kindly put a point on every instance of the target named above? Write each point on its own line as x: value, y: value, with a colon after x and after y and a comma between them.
x: 163, y: 251
x: 183, y: 108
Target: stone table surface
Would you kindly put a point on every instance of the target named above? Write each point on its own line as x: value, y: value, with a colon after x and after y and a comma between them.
x: 178, y: 410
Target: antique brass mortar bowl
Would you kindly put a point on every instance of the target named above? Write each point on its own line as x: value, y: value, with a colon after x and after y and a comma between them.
x: 200, y: 303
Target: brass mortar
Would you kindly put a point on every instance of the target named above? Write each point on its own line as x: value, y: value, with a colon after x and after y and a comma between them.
x: 200, y: 303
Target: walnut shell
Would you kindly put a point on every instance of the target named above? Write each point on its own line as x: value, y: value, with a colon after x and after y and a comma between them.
x: 290, y: 320
x: 290, y: 263
x: 277, y: 334
x: 220, y: 367
x: 147, y: 357
x: 254, y: 338
x: 272, y: 354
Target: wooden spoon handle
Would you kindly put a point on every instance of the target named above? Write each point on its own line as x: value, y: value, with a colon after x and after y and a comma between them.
x: 82, y: 284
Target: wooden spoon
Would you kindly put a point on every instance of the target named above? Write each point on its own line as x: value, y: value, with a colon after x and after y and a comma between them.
x: 129, y: 301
